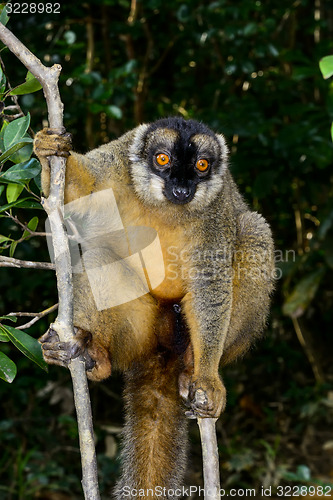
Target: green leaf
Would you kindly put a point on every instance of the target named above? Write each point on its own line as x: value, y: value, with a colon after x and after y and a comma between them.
x: 4, y: 16
x: 24, y: 154
x: 29, y: 346
x: 33, y: 223
x: 11, y: 318
x: 4, y: 238
x: 13, y: 191
x: 95, y: 107
x: 12, y: 248
x: 2, y: 131
x: 273, y: 51
x: 38, y: 181
x: 22, y: 171
x: 3, y: 337
x: 8, y: 368
x: 10, y: 151
x: 250, y: 29
x: 2, y: 84
x: 30, y: 85
x: 332, y: 131
x: 24, y: 203
x: 326, y: 66
x: 70, y: 37
x: 302, y: 295
x: 114, y: 112
x: 15, y: 131
x: 303, y: 473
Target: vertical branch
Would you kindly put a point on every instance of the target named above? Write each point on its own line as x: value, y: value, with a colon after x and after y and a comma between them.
x: 90, y: 54
x: 305, y: 341
x: 106, y: 39
x: 210, y: 455
x: 210, y: 458
x: 53, y: 205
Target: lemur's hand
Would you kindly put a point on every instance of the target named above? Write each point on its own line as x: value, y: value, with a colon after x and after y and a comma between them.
x: 49, y: 142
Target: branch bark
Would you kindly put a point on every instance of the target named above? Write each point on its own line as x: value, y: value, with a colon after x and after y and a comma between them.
x: 35, y: 316
x: 48, y: 77
x: 210, y: 455
x: 210, y: 458
x: 28, y: 264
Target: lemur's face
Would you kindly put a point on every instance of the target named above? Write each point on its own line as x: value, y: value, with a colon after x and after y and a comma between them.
x: 178, y: 161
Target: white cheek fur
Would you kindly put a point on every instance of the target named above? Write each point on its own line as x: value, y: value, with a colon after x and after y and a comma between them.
x: 156, y: 187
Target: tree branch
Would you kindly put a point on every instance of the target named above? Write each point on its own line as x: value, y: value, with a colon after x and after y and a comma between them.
x: 210, y: 458
x: 48, y: 77
x: 210, y: 455
x: 35, y: 316
x: 28, y: 264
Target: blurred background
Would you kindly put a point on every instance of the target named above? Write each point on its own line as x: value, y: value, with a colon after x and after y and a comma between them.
x: 248, y: 69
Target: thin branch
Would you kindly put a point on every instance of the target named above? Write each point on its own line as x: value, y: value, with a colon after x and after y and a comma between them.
x: 210, y: 455
x: 12, y: 107
x: 132, y: 16
x: 48, y: 77
x: 14, y: 98
x: 315, y: 365
x: 36, y: 316
x: 24, y: 226
x: 11, y: 117
x: 167, y: 49
x: 210, y: 458
x: 27, y: 264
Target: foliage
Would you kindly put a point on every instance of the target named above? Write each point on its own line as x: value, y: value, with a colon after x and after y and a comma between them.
x: 326, y: 67
x: 16, y: 148
x: 249, y: 70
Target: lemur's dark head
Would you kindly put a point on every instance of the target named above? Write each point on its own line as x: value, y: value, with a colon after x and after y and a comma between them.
x: 178, y: 161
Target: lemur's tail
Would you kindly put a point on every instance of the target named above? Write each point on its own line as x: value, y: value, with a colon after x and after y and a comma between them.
x: 155, y: 432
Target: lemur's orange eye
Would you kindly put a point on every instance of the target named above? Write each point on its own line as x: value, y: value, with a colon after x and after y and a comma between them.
x: 162, y: 159
x: 202, y: 165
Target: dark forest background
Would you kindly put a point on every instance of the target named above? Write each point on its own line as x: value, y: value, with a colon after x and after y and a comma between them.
x: 249, y: 69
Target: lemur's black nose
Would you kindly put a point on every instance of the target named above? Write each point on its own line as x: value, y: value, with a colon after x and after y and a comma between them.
x: 181, y: 193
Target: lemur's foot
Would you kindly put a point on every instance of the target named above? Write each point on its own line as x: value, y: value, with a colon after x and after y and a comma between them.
x: 206, y: 397
x: 60, y: 353
x: 97, y: 359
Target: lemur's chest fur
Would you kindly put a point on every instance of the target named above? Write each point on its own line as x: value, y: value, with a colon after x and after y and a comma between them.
x: 175, y: 249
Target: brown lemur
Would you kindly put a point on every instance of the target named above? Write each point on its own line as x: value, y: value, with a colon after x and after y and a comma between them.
x: 171, y: 175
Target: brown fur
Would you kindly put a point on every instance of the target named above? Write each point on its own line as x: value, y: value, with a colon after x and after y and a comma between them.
x: 219, y: 269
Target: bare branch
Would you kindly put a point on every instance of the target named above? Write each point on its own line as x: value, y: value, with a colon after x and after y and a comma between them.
x: 48, y: 77
x: 210, y: 458
x: 36, y: 316
x: 28, y: 264
x: 14, y: 98
x: 24, y: 227
x: 210, y: 455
